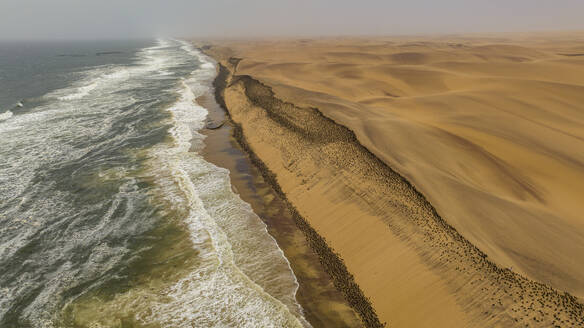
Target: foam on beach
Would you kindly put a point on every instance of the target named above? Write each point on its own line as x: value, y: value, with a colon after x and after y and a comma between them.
x: 6, y: 115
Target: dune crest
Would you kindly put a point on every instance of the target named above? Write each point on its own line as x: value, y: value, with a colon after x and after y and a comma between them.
x: 489, y: 130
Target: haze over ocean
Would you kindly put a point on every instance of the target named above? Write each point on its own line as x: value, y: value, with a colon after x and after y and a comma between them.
x: 70, y: 19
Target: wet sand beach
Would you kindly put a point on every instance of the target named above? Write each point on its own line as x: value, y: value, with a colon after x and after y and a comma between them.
x: 323, y: 304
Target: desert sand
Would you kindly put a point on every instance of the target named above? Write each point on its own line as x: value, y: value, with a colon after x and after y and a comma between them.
x: 323, y: 305
x: 446, y: 172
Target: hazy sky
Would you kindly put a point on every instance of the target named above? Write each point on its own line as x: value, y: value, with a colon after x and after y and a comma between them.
x: 85, y: 19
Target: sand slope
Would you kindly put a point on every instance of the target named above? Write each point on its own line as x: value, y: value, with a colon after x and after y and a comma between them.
x: 490, y: 129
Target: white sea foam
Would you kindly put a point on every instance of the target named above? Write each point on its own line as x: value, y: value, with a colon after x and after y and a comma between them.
x: 243, y: 279
x: 151, y: 61
x: 96, y: 79
x: 6, y: 115
x: 57, y: 131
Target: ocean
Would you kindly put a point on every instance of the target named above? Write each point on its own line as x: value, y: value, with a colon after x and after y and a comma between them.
x: 109, y: 214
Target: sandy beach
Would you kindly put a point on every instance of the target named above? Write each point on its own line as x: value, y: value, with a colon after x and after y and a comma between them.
x: 322, y: 303
x: 444, y: 172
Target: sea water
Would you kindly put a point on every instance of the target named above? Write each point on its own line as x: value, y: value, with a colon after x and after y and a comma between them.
x: 101, y: 180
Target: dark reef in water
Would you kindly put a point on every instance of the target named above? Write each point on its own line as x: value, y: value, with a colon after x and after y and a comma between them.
x: 108, y: 53
x: 101, y: 53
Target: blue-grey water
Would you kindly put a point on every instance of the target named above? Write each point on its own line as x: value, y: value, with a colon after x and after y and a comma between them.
x: 102, y: 186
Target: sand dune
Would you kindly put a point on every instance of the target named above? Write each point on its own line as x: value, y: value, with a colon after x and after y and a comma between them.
x: 489, y: 129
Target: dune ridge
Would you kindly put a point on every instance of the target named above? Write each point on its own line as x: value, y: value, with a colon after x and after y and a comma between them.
x: 496, y: 118
x: 304, y: 148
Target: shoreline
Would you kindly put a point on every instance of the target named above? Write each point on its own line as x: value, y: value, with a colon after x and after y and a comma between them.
x: 508, y: 285
x: 323, y: 305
